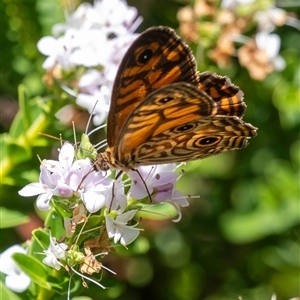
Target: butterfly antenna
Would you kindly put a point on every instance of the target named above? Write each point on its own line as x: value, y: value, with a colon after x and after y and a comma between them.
x: 74, y: 134
x: 68, y: 90
x: 61, y: 140
x: 51, y: 136
x: 100, y: 145
x: 90, y: 118
x: 96, y: 129
x: 136, y: 24
x: 144, y: 182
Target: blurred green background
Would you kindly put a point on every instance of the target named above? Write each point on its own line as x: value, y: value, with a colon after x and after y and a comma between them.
x: 241, y: 237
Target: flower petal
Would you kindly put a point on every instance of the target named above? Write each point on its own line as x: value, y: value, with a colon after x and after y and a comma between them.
x: 43, y: 200
x: 17, y: 283
x: 47, y: 45
x: 32, y: 189
x: 93, y: 201
x: 66, y: 155
x: 7, y: 264
x: 128, y: 234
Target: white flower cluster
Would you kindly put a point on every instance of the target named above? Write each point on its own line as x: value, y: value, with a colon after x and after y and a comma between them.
x: 232, y: 23
x: 266, y: 45
x: 73, y: 184
x: 265, y: 41
x: 94, y: 37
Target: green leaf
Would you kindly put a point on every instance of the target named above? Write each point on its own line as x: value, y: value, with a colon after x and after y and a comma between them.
x: 27, y: 114
x: 41, y: 237
x: 55, y: 222
x: 7, y: 294
x: 59, y: 209
x: 33, y: 268
x: 11, y: 218
x: 157, y: 212
x: 60, y: 284
x: 86, y: 149
x: 17, y: 151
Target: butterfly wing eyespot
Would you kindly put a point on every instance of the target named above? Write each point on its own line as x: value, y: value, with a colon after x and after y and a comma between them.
x: 208, y: 141
x: 165, y: 99
x: 144, y: 56
x: 185, y: 128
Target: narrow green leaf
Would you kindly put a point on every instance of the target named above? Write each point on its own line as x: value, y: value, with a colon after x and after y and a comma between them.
x: 33, y: 268
x: 7, y: 294
x: 24, y: 107
x: 11, y: 218
x: 41, y: 237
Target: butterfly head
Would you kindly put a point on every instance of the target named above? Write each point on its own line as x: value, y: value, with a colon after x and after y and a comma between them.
x: 102, y: 162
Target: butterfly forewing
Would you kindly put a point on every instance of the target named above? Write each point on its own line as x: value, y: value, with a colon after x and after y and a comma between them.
x: 158, y: 57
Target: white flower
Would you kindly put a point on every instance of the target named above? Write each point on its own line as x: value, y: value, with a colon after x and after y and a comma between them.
x: 104, y: 14
x: 92, y: 186
x: 58, y: 51
x: 15, y: 280
x: 270, y: 43
x: 115, y: 197
x: 52, y: 179
x: 66, y: 178
x: 45, y: 188
x: 95, y: 85
x: 119, y: 230
x: 272, y: 17
x: 161, y: 183
x: 269, y: 18
x: 96, y: 37
x: 230, y: 4
x: 55, y: 253
x: 115, y: 13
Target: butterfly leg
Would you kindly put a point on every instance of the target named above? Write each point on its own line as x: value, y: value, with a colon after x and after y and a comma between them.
x: 144, y: 182
x: 113, y: 189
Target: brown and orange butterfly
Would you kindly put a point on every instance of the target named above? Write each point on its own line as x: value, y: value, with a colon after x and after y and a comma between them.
x: 163, y: 111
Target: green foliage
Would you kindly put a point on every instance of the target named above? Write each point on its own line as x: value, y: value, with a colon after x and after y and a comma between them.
x: 7, y: 294
x: 12, y: 218
x: 240, y: 238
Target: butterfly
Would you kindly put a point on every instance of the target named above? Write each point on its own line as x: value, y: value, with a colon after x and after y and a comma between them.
x: 163, y: 111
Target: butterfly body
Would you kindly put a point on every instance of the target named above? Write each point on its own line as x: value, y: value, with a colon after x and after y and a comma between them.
x: 163, y: 110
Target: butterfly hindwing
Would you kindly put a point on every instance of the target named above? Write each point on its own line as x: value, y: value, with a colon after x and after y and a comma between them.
x: 178, y: 123
x: 195, y: 140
